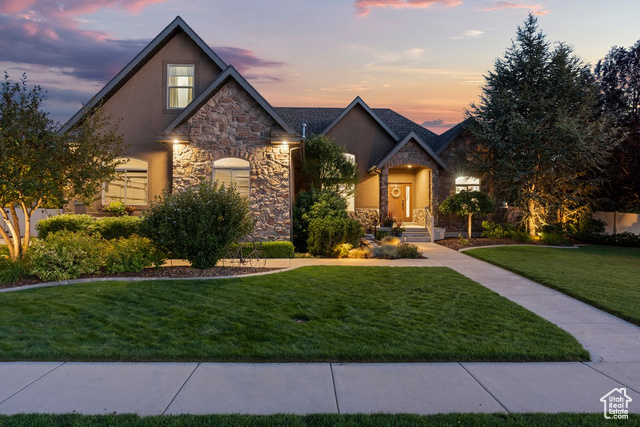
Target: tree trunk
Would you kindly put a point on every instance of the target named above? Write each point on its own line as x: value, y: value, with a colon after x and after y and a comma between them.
x: 531, y: 222
x: 469, y: 225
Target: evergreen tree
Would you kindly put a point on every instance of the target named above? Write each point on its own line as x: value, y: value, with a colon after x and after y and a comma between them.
x: 618, y: 75
x: 542, y: 144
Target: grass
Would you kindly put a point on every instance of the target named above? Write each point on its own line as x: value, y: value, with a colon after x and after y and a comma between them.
x: 604, y: 276
x: 317, y: 420
x: 343, y: 314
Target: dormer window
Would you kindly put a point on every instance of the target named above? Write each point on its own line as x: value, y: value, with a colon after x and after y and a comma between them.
x: 179, y: 85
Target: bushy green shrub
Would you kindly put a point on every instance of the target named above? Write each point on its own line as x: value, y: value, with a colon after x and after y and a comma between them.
x: 553, y: 234
x: 493, y: 230
x: 278, y: 250
x: 326, y: 233
x: 12, y: 271
x: 408, y: 250
x: 134, y: 253
x: 312, y: 205
x: 342, y: 250
x: 66, y: 255
x: 386, y: 251
x: 66, y: 222
x: 115, y: 207
x: 198, y: 224
x: 115, y: 227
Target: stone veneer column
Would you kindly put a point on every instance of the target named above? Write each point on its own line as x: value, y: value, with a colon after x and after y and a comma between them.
x: 384, y: 191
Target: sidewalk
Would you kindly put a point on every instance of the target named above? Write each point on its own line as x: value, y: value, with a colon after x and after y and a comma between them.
x: 422, y: 388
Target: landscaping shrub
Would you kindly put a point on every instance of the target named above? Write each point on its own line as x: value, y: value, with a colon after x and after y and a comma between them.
x: 132, y: 254
x: 326, y: 233
x: 408, y: 250
x: 553, y: 234
x: 66, y: 222
x: 66, y: 255
x: 312, y: 205
x: 342, y: 250
x: 116, y: 207
x: 386, y: 251
x: 493, y: 230
x: 277, y: 250
x: 115, y: 227
x: 12, y: 271
x: 198, y: 224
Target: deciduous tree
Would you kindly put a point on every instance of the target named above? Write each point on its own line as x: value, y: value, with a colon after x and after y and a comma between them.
x: 39, y: 167
x: 468, y: 203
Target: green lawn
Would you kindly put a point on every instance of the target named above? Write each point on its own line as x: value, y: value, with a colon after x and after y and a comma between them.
x: 311, y: 314
x: 604, y: 276
x: 318, y: 420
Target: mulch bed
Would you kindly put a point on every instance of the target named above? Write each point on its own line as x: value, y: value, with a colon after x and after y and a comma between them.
x: 164, y: 272
x: 454, y: 242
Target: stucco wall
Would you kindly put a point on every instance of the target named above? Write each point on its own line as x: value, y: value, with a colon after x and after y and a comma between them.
x: 232, y: 124
x: 139, y: 106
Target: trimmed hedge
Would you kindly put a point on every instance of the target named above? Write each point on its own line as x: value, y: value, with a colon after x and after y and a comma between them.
x: 64, y: 222
x: 115, y: 227
x: 268, y: 249
x: 108, y: 228
x: 326, y: 233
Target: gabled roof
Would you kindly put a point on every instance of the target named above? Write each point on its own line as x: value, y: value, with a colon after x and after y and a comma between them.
x: 230, y: 73
x: 319, y: 119
x: 411, y: 136
x: 444, y: 140
x: 360, y: 102
x: 140, y: 60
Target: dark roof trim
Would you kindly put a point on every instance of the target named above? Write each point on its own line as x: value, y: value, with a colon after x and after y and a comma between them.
x: 142, y: 57
x: 228, y: 74
x: 383, y: 161
x: 443, y: 141
x: 359, y: 101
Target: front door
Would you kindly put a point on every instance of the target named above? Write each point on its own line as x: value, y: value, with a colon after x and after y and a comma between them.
x: 400, y: 201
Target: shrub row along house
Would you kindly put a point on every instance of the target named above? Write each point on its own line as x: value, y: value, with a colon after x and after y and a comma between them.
x: 187, y: 115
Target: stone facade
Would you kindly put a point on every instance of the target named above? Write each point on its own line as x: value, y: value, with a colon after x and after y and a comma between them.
x: 369, y: 218
x: 410, y: 154
x: 233, y: 124
x: 419, y: 217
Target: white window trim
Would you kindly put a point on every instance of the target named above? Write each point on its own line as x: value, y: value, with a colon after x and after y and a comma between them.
x: 124, y: 171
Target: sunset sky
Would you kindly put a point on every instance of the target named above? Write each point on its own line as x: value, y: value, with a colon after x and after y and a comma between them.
x: 422, y: 58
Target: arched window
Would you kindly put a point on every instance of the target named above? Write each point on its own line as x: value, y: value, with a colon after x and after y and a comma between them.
x: 130, y: 184
x: 231, y: 170
x: 467, y: 183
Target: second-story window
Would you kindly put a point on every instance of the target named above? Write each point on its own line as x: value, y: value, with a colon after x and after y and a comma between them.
x: 180, y: 85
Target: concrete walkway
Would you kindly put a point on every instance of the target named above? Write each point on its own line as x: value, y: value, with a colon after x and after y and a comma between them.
x: 422, y: 388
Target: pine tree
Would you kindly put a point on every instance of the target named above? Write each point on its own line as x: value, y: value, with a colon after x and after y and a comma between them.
x: 542, y: 146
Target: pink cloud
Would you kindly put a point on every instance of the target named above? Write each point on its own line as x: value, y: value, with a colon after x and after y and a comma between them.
x: 363, y: 7
x: 69, y: 8
x: 536, y: 9
x: 244, y: 59
x: 15, y: 6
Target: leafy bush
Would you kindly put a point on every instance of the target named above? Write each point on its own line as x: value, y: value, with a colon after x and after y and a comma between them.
x: 278, y: 250
x: 199, y: 223
x: 387, y: 251
x: 12, y: 271
x: 132, y: 254
x: 342, y: 250
x: 408, y: 250
x: 326, y: 233
x: 66, y: 255
x: 66, y: 222
x: 493, y: 230
x: 357, y: 253
x: 554, y: 239
x: 115, y: 227
x: 381, y: 234
x: 116, y: 207
x: 312, y: 205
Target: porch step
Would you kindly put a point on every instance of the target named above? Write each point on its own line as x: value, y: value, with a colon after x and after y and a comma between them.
x: 416, y: 235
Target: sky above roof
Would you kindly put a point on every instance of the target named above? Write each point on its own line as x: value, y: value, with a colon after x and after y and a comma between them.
x: 422, y: 58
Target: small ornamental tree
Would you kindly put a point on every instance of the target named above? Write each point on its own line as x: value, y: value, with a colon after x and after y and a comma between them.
x: 326, y: 168
x: 467, y: 203
x: 198, y: 224
x: 39, y: 167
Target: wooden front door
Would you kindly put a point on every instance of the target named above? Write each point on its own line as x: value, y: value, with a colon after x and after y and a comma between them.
x: 400, y: 201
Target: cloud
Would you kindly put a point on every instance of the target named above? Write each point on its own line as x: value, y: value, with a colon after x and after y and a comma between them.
x: 244, y: 59
x: 434, y: 123
x: 469, y: 34
x: 363, y: 7
x: 47, y: 33
x: 536, y: 9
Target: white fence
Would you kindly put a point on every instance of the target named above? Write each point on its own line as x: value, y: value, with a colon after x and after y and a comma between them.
x: 37, y: 215
x: 619, y: 222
